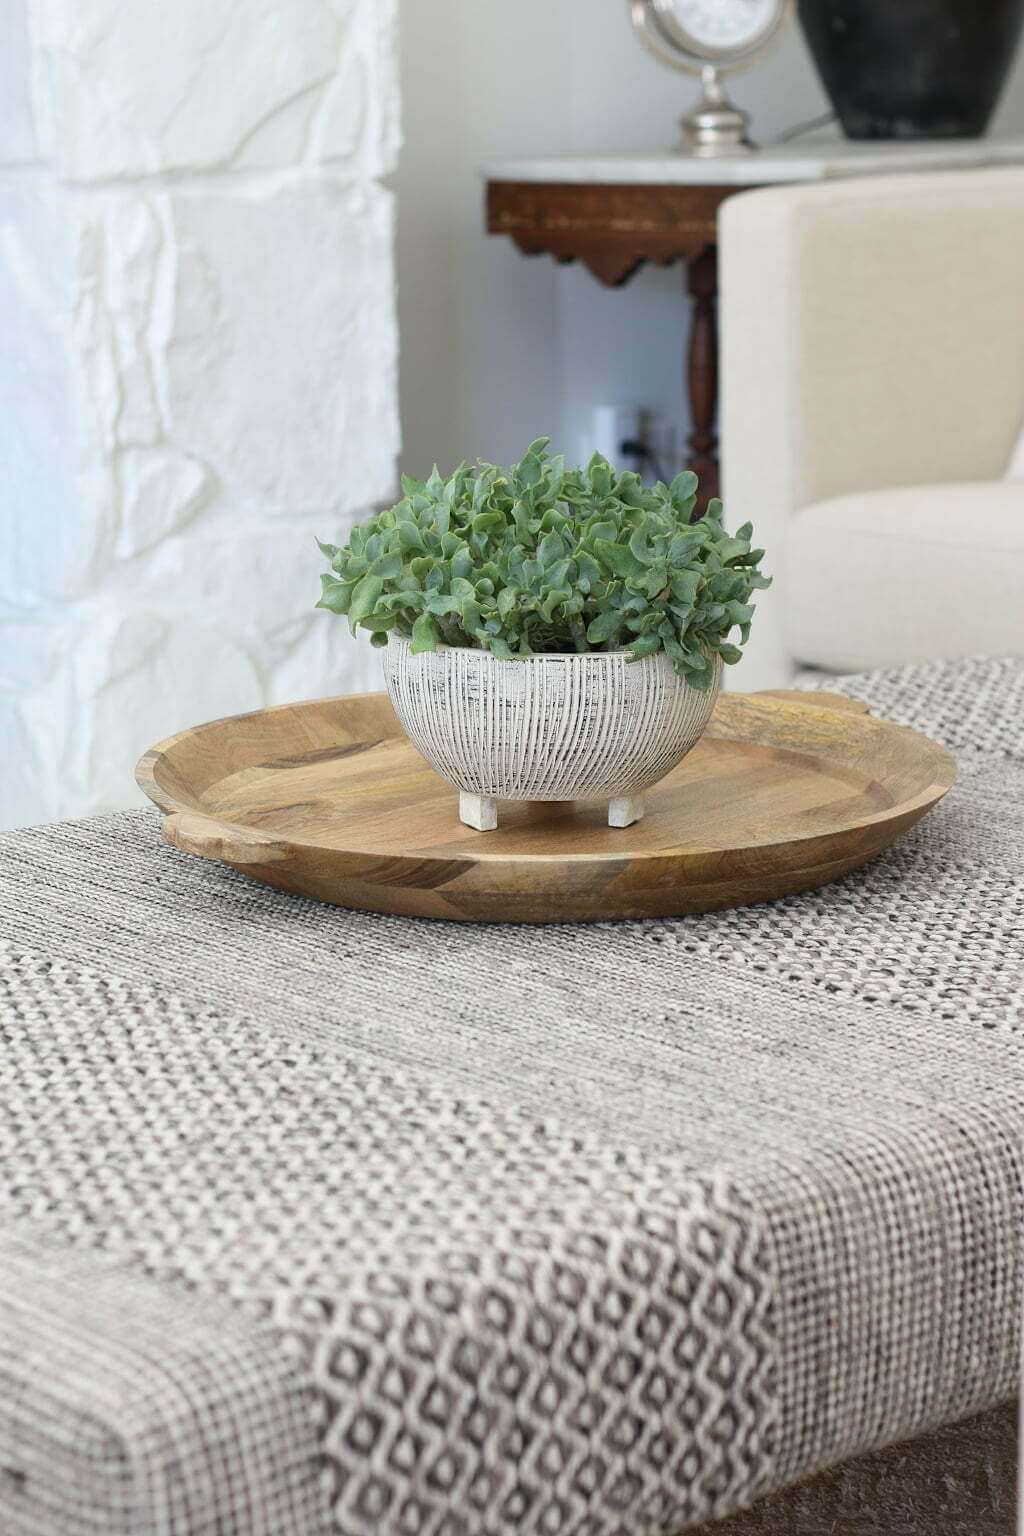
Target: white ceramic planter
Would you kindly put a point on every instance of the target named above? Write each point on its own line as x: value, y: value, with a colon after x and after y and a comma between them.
x: 591, y: 727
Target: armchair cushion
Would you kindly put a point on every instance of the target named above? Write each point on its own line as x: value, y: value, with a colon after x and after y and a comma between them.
x: 888, y: 577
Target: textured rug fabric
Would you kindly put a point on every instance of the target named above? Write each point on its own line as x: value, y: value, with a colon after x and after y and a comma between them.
x: 126, y: 1409
x: 587, y: 1231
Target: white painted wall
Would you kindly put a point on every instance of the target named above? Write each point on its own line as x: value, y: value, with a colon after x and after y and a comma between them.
x: 198, y: 371
x: 481, y: 361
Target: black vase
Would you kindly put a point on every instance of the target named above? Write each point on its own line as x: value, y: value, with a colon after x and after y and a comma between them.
x: 913, y: 69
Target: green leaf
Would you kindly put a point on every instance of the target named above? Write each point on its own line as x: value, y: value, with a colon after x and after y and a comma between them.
x: 619, y: 560
x: 364, y: 599
x: 380, y: 620
x: 639, y: 547
x: 599, y: 473
x: 471, y: 615
x: 410, y: 537
x: 683, y: 547
x: 500, y: 648
x: 334, y: 595
x: 603, y: 627
x: 739, y: 613
x: 629, y: 489
x: 529, y: 471
x: 402, y: 602
x: 551, y: 549
x: 700, y: 673
x: 655, y: 580
x: 424, y: 635
x: 442, y: 603
x: 602, y: 530
x: 684, y: 586
x: 553, y: 600
x: 646, y: 645
x: 588, y: 568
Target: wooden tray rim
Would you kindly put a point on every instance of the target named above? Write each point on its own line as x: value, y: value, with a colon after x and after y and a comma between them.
x: 836, y: 703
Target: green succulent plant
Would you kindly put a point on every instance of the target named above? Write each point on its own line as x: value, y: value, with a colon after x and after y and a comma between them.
x: 540, y: 559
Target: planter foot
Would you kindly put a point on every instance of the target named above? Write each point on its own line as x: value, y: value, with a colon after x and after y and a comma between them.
x: 478, y: 811
x: 623, y: 813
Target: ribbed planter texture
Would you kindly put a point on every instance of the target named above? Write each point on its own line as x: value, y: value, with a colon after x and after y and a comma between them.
x: 589, y: 727
x: 913, y: 69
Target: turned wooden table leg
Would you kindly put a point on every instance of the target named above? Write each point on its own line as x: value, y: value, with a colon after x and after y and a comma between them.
x: 702, y: 372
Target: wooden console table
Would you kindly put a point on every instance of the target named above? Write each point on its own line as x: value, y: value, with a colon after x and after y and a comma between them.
x: 616, y: 212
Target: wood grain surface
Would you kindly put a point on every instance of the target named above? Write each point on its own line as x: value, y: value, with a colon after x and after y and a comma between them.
x: 612, y: 228
x: 328, y: 798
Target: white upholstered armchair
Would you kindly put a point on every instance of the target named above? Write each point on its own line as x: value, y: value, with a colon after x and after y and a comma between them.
x: 872, y: 395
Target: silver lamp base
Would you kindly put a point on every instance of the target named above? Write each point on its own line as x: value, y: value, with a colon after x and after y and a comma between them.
x: 716, y: 126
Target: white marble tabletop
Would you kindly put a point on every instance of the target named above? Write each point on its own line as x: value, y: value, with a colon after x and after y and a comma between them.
x: 810, y: 159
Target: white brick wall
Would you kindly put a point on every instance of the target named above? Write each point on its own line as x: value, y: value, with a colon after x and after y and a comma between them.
x: 198, y: 370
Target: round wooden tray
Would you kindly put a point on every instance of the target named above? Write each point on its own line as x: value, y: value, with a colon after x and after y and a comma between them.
x: 785, y: 792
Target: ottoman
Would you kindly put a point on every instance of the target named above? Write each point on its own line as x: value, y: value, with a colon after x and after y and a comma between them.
x: 322, y: 1221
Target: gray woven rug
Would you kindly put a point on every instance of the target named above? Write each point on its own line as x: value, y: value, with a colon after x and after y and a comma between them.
x: 582, y: 1231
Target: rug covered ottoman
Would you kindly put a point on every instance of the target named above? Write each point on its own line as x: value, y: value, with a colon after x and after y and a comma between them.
x: 315, y: 1220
